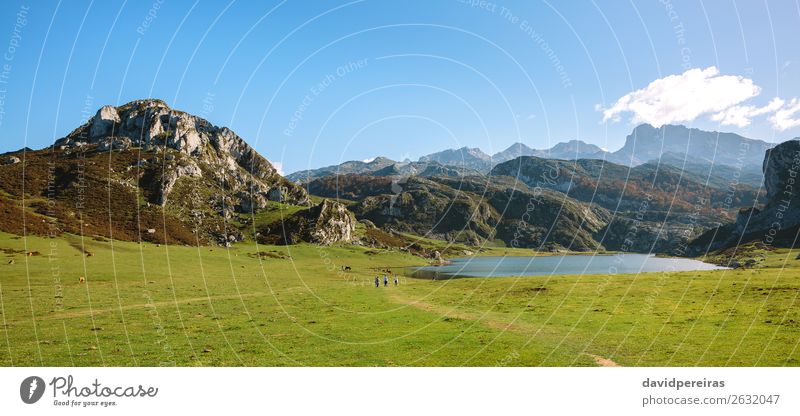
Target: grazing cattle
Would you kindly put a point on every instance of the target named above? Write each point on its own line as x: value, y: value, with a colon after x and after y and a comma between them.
x: 81, y: 279
x: 347, y: 268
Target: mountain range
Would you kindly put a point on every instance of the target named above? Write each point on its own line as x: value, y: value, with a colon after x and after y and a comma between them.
x: 143, y: 171
x: 721, y: 157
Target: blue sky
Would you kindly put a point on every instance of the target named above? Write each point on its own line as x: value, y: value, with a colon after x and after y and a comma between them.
x: 313, y: 83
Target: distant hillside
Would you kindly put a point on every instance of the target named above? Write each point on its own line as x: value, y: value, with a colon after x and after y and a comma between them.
x: 346, y: 168
x: 479, y: 209
x: 476, y: 212
x: 718, y: 175
x: 619, y: 187
x: 380, y: 167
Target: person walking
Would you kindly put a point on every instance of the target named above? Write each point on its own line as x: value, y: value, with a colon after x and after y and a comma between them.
x: 377, y: 282
x: 385, y: 281
x: 395, y: 280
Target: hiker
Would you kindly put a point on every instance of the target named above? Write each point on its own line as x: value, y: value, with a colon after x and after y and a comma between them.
x: 385, y: 281
x: 377, y: 282
x: 395, y: 280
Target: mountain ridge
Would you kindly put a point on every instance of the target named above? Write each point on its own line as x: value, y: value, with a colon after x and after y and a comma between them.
x: 675, y: 145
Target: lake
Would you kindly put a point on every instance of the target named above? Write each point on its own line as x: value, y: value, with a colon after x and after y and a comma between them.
x: 554, y: 265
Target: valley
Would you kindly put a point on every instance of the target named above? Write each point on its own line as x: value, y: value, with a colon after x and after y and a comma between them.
x: 150, y: 237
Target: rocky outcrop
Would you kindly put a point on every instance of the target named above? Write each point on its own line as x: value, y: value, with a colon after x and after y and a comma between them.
x: 780, y: 167
x: 198, y: 149
x: 171, y: 176
x: 777, y: 221
x: 782, y: 208
x: 332, y: 223
x: 327, y: 223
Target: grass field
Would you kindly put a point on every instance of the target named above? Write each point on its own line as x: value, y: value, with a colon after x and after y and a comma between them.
x: 149, y: 305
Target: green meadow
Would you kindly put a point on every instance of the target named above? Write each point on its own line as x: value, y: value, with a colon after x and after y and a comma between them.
x: 249, y: 305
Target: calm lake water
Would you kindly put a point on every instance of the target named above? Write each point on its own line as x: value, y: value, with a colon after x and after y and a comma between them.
x: 552, y: 265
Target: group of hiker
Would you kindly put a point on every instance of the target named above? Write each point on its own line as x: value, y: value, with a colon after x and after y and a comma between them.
x: 385, y: 281
x: 386, y: 273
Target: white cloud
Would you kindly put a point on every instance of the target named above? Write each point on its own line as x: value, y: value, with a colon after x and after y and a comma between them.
x: 278, y: 167
x: 368, y: 160
x: 785, y: 118
x: 741, y: 115
x: 684, y: 97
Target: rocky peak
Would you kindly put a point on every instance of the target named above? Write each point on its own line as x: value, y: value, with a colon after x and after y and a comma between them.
x: 147, y: 123
x: 512, y: 152
x: 647, y: 143
x: 472, y: 158
x: 575, y: 146
x: 196, y: 148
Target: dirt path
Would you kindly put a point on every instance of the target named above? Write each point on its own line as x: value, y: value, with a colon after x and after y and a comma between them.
x: 603, y: 362
x: 485, y: 320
